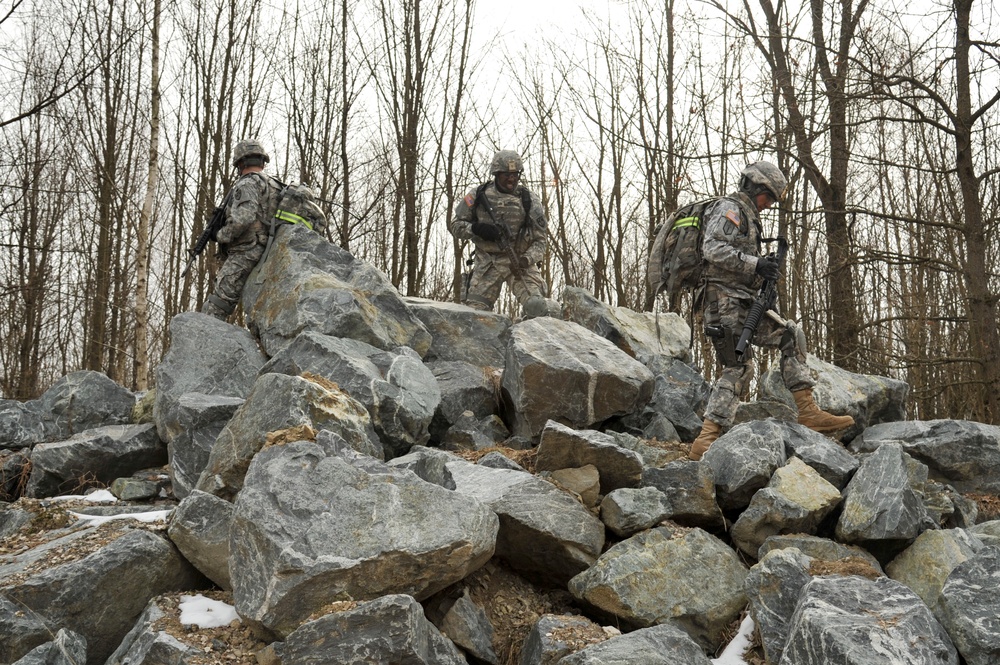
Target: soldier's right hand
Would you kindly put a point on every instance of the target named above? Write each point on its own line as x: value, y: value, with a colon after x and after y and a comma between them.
x: 768, y: 269
x: 486, y: 231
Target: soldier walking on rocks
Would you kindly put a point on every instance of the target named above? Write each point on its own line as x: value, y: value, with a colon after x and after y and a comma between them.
x: 508, y: 228
x: 243, y: 238
x: 733, y: 272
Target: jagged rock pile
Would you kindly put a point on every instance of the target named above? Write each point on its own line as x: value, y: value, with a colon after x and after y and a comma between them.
x: 356, y: 473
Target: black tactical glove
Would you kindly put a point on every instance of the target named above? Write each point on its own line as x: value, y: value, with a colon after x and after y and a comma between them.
x: 523, y: 262
x: 768, y: 268
x: 486, y: 231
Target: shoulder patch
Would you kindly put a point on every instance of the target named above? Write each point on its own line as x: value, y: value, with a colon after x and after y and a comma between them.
x: 469, y: 200
x: 733, y: 217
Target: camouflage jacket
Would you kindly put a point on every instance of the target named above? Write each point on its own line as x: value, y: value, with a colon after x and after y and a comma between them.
x: 531, y: 234
x: 250, y: 211
x: 731, y: 245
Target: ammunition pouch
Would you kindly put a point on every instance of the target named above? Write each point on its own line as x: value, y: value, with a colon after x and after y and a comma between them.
x: 724, y: 342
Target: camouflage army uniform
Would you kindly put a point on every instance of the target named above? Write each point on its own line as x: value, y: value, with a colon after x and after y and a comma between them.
x: 492, y: 265
x: 243, y: 240
x: 731, y: 246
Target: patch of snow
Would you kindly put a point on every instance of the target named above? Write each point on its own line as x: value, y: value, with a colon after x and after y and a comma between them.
x: 205, y: 612
x: 733, y: 653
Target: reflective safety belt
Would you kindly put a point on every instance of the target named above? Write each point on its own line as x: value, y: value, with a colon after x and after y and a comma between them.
x: 292, y: 218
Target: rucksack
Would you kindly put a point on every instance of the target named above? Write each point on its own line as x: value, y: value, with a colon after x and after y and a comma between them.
x: 298, y: 205
x: 675, y: 257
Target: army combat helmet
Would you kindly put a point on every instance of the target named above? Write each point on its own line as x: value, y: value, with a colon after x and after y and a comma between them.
x: 763, y: 177
x: 247, y: 150
x: 506, y: 161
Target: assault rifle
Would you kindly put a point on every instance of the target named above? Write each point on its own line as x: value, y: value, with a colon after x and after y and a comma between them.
x: 764, y: 301
x: 215, y: 225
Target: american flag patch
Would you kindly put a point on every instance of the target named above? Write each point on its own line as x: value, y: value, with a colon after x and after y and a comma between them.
x: 733, y: 217
x: 469, y: 200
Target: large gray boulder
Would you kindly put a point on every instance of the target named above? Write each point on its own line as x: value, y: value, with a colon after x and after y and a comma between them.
x: 148, y: 644
x: 855, y: 621
x: 199, y: 421
x: 796, y: 500
x: 100, y: 595
x: 869, y: 399
x: 390, y: 629
x: 199, y: 527
x: 773, y: 586
x: 643, y: 335
x: 743, y: 460
x: 880, y: 503
x: 558, y: 370
x: 76, y: 402
x: 683, y: 576
x: 102, y: 455
x: 689, y: 491
x: 657, y: 645
x: 970, y: 607
x: 398, y: 390
x: 562, y: 447
x: 84, y: 400
x: 309, y: 284
x: 462, y: 334
x: 545, y: 533
x: 310, y: 529
x: 208, y: 357
x: 680, y: 393
x: 925, y: 565
x: 464, y: 387
x: 278, y: 403
x: 21, y: 630
x: 963, y: 453
x: 68, y: 648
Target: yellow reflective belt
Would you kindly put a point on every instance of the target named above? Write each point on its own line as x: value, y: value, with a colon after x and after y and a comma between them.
x: 292, y: 218
x: 687, y: 221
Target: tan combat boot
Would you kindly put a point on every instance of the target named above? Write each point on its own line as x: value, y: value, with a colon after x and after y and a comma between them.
x: 816, y: 418
x: 710, y: 431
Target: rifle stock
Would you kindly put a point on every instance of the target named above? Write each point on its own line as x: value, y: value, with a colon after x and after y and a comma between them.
x: 764, y: 301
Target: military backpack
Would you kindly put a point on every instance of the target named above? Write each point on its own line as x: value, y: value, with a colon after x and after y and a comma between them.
x: 675, y: 257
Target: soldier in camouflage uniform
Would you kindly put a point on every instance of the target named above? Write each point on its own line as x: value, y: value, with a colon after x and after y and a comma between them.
x: 733, y: 273
x: 244, y: 237
x: 522, y: 215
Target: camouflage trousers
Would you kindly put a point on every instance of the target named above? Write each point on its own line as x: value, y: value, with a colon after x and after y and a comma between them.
x: 240, y: 261
x: 489, y: 274
x: 729, y: 313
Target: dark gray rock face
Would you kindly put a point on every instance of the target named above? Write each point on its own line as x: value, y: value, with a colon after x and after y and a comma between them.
x: 398, y: 390
x: 309, y: 284
x: 208, y: 357
x: 78, y: 401
x: 854, y: 621
x: 658, y: 645
x: 683, y: 576
x: 963, y: 453
x: 557, y: 370
x: 970, y: 607
x: 310, y: 529
x: 390, y: 629
x: 68, y: 648
x: 879, y: 503
x: 120, y: 578
x: 101, y: 454
x: 462, y: 334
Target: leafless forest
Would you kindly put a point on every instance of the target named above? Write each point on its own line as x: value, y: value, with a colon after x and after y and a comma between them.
x: 118, y: 119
